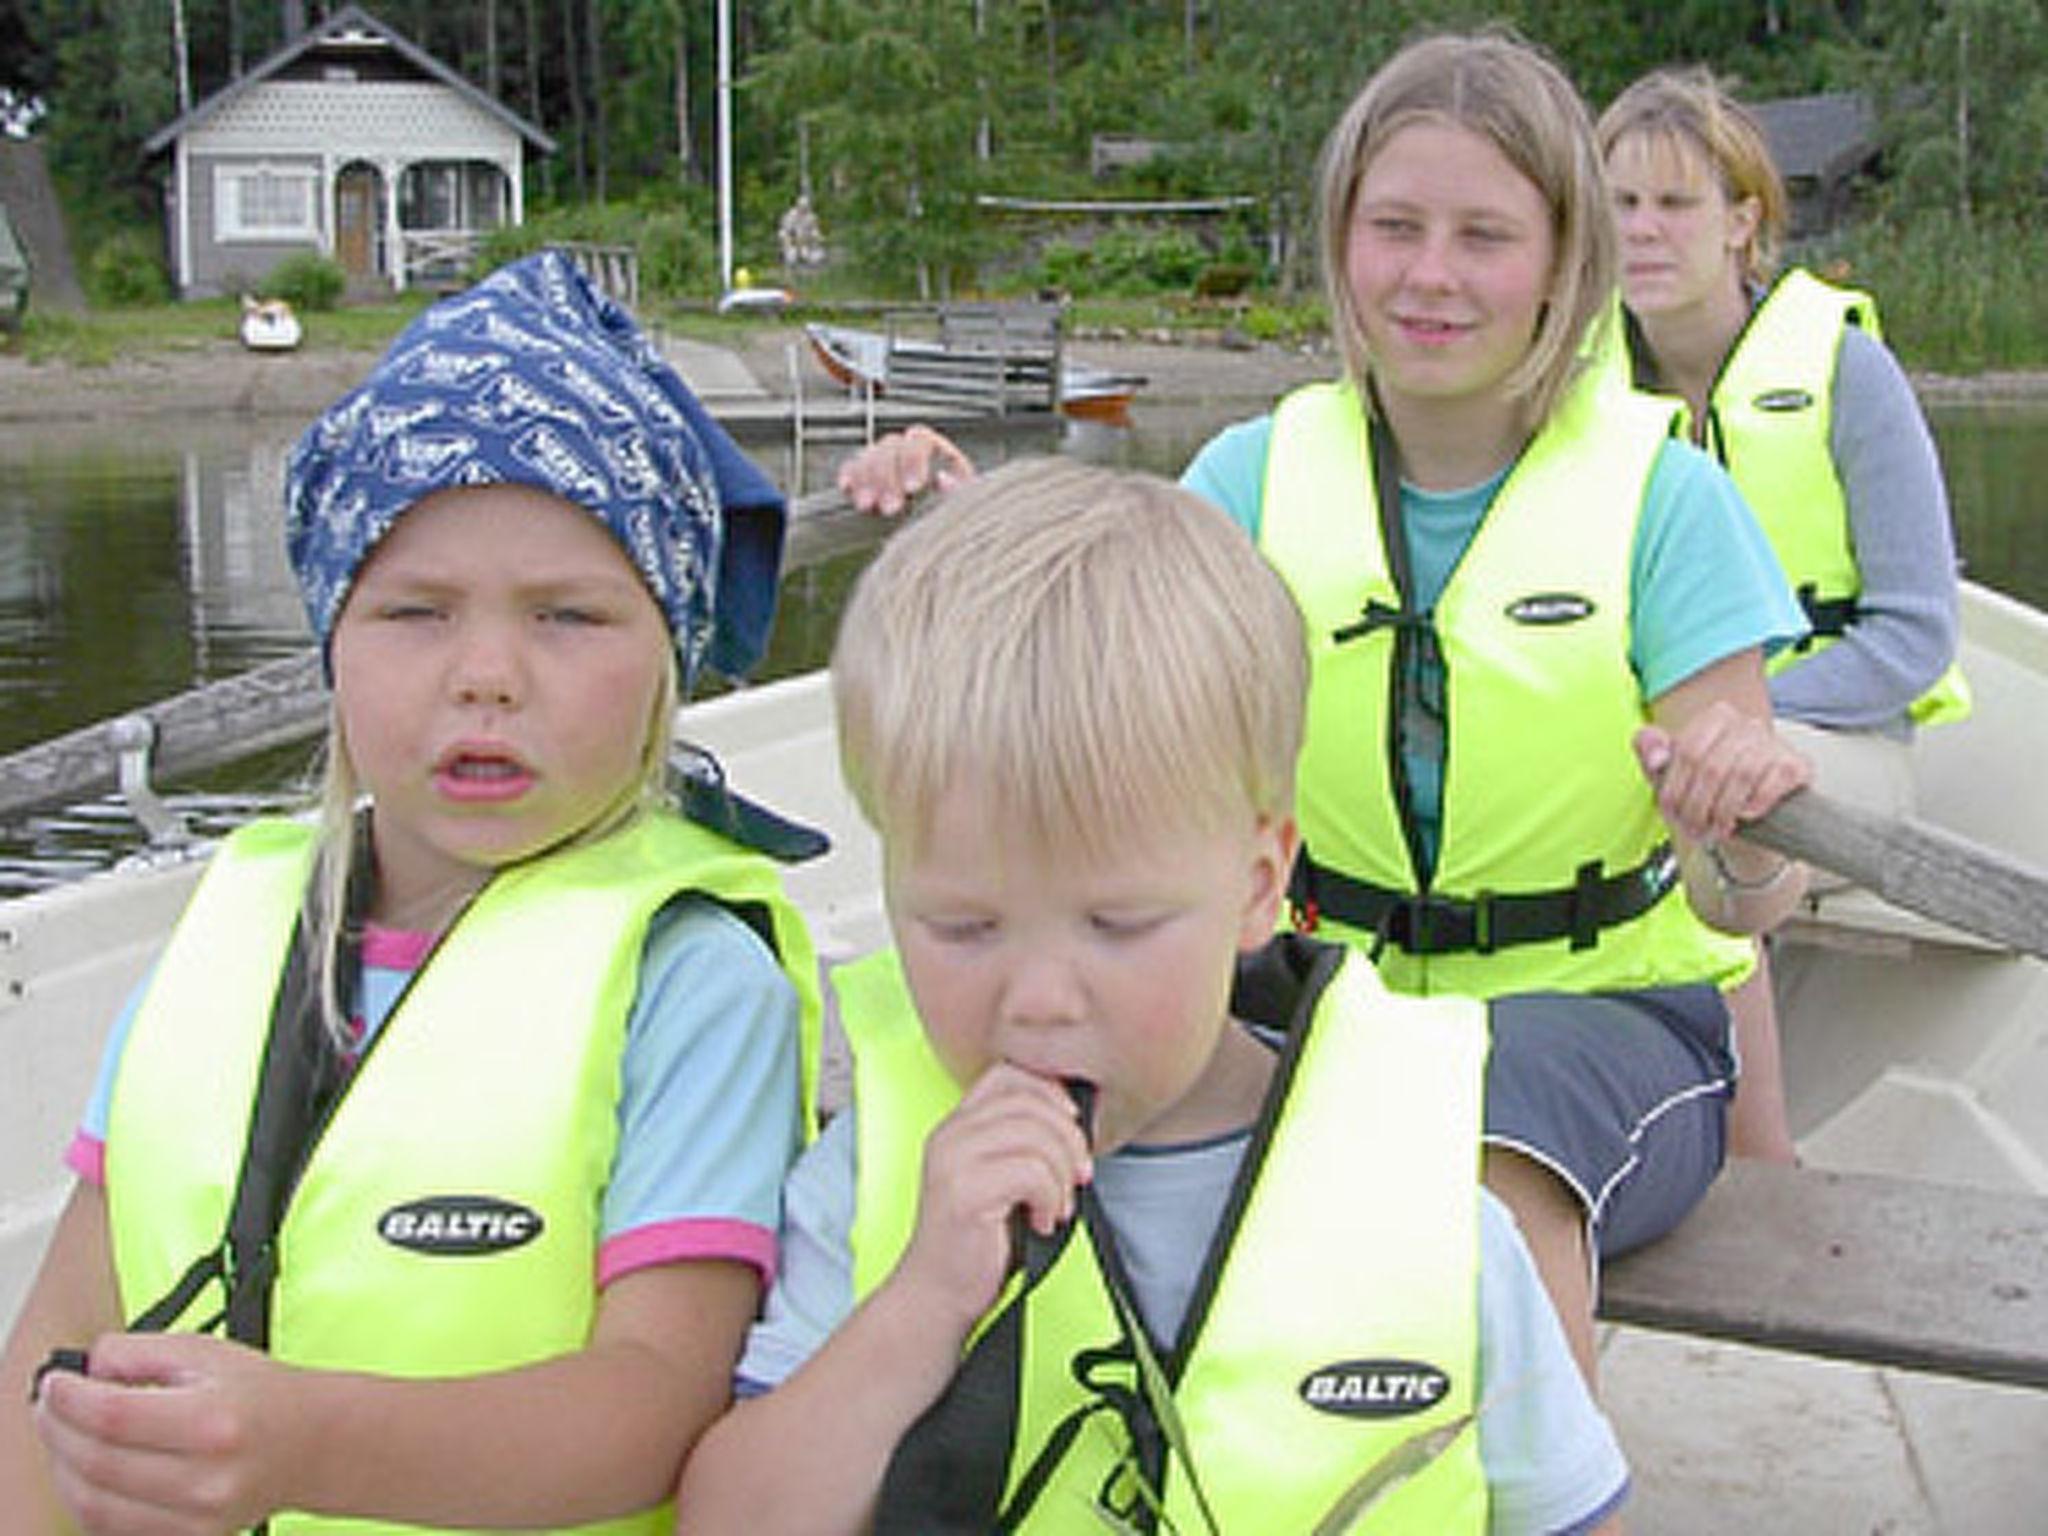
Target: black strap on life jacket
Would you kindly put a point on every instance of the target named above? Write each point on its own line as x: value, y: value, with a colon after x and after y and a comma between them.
x: 1826, y: 617
x: 946, y: 1475
x: 298, y: 1085
x: 1415, y: 645
x: 1424, y: 923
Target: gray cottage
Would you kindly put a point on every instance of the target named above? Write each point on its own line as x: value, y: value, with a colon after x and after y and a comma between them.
x: 349, y: 141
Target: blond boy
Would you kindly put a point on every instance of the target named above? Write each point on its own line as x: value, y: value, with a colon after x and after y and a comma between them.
x: 1078, y: 1179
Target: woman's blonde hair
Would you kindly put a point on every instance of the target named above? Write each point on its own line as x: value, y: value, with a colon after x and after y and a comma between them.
x: 1687, y: 111
x: 339, y: 801
x: 1502, y: 88
x: 1105, y: 654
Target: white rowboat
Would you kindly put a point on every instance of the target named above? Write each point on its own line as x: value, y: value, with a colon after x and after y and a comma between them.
x: 1910, y: 1049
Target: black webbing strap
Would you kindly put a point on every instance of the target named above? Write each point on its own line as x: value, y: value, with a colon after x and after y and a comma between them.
x: 1428, y: 924
x: 947, y: 1474
x: 1826, y: 617
x: 1415, y: 649
x: 301, y: 1077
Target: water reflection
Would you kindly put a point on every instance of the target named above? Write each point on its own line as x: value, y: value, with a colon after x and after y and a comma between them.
x: 138, y: 566
x: 1996, y: 457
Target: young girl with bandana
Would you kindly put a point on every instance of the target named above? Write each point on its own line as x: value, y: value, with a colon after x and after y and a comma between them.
x: 432, y: 1174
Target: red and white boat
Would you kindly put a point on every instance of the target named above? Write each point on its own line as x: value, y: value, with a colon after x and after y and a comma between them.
x: 859, y: 358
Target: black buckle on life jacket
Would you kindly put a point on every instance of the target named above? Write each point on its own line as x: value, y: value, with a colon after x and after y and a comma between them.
x: 1425, y: 923
x: 1827, y: 618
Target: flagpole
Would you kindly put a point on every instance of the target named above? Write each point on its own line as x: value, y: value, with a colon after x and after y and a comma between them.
x: 725, y: 145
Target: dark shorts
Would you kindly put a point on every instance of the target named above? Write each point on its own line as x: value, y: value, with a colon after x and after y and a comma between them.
x: 1623, y: 1095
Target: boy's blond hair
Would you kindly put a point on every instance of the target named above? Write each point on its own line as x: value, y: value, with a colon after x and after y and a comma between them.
x: 1506, y: 91
x: 1687, y: 111
x: 1105, y: 654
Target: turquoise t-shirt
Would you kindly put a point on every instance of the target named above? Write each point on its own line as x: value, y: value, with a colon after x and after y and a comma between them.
x: 1703, y: 580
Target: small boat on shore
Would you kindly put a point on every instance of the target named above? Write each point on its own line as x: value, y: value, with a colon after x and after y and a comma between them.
x: 269, y: 325
x: 860, y: 358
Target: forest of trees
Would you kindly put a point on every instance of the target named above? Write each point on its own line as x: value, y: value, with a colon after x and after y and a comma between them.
x: 895, y: 113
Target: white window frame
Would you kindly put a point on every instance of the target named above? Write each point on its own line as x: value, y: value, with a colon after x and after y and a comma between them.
x: 228, y: 224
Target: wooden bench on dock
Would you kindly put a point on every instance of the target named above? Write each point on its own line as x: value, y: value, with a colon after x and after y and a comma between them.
x: 1871, y: 1268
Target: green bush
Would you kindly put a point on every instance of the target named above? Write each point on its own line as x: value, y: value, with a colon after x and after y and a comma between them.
x: 1066, y: 266
x: 1955, y: 296
x: 307, y: 281
x: 1136, y: 261
x: 1291, y: 324
x: 127, y: 271
x: 1125, y: 261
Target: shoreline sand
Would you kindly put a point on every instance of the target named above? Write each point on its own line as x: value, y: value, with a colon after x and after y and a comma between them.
x: 224, y: 378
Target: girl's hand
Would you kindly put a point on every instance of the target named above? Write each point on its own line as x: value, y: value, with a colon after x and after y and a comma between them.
x: 170, y: 1435
x: 1720, y: 768
x: 885, y: 476
x: 1013, y: 1142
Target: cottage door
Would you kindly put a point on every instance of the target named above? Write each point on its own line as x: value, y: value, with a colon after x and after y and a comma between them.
x: 357, y: 203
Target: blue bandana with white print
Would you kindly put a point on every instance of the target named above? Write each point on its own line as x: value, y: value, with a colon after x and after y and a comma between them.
x: 533, y: 377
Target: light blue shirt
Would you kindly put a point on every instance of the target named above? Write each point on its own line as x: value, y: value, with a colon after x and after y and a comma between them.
x: 1551, y: 1460
x: 1704, y: 583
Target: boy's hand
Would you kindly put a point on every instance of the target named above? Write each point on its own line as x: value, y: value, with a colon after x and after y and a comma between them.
x: 1012, y: 1144
x: 886, y: 475
x: 170, y: 1434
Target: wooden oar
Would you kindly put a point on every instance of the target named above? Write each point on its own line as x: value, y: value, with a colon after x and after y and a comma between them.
x: 284, y: 701
x: 1915, y: 865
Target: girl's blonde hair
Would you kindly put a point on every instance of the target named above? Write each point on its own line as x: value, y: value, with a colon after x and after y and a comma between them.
x: 324, y: 920
x: 1495, y: 85
x: 1105, y: 654
x: 1687, y: 111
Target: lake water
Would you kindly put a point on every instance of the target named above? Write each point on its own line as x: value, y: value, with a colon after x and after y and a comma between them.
x: 138, y: 563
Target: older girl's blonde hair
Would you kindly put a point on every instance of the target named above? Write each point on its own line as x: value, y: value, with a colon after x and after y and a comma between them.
x: 1502, y: 88
x: 1687, y: 111
x: 1104, y: 654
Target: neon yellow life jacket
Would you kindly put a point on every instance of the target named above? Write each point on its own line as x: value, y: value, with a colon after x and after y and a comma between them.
x: 1542, y: 794
x: 1342, y: 1324
x: 1769, y: 417
x: 446, y: 1222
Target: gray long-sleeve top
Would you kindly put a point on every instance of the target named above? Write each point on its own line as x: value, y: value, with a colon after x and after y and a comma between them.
x: 1906, y: 627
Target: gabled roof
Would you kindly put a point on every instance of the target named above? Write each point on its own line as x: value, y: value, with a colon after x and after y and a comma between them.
x: 1823, y: 137
x: 354, y: 26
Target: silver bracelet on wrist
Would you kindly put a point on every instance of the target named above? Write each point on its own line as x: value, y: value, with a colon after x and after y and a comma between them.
x: 1734, y: 885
